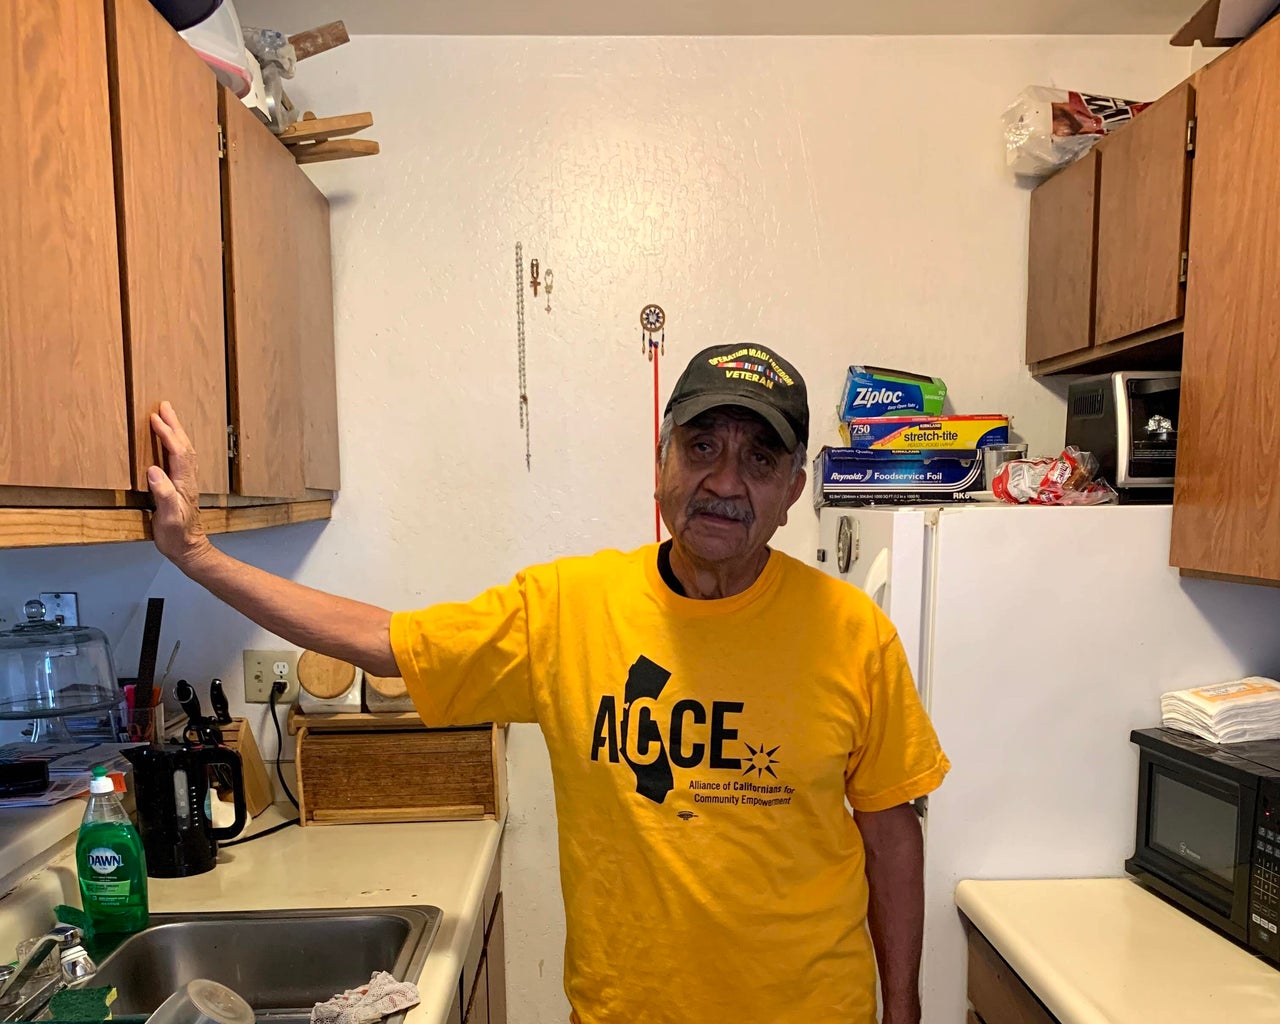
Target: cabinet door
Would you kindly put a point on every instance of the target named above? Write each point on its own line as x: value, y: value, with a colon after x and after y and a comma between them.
x: 454, y: 1016
x: 473, y: 959
x: 495, y: 952
x: 478, y: 1011
x: 310, y: 221
x: 1142, y: 219
x: 997, y: 994
x: 1226, y: 511
x: 62, y: 398
x: 264, y: 351
x: 1060, y: 262
x: 170, y: 235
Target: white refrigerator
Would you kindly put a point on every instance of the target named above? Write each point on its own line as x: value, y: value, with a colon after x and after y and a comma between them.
x: 1039, y: 637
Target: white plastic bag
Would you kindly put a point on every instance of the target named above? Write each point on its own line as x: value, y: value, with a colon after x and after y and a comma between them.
x: 1045, y: 129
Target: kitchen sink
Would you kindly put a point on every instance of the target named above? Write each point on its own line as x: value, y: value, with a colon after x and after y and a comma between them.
x: 282, y: 962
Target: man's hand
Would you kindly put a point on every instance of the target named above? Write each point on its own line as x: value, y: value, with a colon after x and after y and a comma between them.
x: 347, y: 630
x: 175, y: 526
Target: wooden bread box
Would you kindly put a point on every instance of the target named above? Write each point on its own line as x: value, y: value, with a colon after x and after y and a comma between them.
x: 357, y: 768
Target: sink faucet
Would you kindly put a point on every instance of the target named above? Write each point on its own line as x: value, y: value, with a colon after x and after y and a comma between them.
x: 74, y: 965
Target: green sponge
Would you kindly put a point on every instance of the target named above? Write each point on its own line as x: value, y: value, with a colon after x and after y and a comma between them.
x: 82, y: 1006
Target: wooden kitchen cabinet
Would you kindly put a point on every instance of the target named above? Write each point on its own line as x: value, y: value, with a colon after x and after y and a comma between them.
x: 117, y: 290
x: 496, y: 954
x: 1142, y: 219
x: 1061, y: 261
x: 996, y: 993
x: 1108, y: 234
x: 482, y: 984
x: 478, y: 1010
x: 1226, y: 513
x: 62, y: 381
x: 279, y: 315
x: 319, y: 381
x: 170, y: 237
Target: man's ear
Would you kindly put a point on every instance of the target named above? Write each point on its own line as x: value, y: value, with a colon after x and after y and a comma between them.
x: 797, y: 489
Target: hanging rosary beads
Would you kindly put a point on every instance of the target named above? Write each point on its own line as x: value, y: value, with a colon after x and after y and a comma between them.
x: 520, y: 350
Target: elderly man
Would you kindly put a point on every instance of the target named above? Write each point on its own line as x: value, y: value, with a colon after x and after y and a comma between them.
x: 709, y: 706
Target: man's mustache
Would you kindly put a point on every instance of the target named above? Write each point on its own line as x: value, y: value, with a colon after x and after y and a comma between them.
x: 723, y: 509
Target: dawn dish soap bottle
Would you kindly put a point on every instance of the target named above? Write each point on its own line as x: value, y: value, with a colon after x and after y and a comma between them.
x: 110, y: 862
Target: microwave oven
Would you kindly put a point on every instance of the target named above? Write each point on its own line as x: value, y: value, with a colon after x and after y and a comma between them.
x: 1208, y: 836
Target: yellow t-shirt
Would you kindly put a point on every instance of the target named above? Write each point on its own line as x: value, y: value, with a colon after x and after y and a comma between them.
x: 702, y: 752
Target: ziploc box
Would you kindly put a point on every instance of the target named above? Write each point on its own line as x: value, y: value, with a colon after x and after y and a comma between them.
x: 875, y: 391
x: 860, y: 476
x: 908, y: 433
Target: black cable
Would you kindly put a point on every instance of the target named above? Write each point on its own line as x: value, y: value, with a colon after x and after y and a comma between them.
x: 276, y: 689
x: 259, y: 835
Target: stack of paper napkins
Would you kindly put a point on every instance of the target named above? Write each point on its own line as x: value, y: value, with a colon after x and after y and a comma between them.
x: 1247, y: 709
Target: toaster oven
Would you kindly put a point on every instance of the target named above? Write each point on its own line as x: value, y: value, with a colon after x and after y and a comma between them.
x: 1129, y: 421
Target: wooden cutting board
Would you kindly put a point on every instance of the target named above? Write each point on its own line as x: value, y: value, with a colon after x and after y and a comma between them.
x: 324, y: 677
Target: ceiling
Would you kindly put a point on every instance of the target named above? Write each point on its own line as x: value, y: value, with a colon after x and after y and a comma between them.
x: 726, y: 17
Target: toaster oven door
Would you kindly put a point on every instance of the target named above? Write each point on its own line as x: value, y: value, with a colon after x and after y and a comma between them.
x: 1147, y: 422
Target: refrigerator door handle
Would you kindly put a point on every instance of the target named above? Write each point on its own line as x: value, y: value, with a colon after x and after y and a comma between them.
x: 877, y: 585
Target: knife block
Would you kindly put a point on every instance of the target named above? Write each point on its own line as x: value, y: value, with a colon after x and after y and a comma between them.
x: 258, y: 792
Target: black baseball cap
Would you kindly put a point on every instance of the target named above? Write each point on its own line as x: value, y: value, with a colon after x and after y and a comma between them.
x: 751, y: 376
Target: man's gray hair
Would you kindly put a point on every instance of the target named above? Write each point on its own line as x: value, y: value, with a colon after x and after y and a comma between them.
x: 799, y: 457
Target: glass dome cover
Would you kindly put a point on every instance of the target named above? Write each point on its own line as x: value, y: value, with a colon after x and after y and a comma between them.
x: 48, y: 669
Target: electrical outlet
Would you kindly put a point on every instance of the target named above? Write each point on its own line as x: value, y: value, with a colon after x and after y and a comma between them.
x: 66, y: 605
x: 263, y: 668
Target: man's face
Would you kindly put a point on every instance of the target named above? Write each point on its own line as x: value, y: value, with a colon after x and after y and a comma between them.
x: 726, y: 485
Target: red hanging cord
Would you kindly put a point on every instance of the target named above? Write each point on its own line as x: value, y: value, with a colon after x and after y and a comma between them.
x: 657, y: 425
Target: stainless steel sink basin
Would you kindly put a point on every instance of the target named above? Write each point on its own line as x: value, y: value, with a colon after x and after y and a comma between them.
x: 282, y: 962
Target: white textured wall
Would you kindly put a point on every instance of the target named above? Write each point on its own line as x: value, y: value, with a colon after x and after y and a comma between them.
x: 843, y: 199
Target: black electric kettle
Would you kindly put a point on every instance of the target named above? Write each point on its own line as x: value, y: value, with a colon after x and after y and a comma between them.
x: 171, y: 786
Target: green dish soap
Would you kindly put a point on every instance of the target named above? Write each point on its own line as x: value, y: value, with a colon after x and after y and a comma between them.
x: 110, y: 862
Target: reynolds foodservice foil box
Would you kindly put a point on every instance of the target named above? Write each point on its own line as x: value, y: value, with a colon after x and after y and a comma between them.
x: 859, y: 476
x: 914, y: 433
x: 874, y: 391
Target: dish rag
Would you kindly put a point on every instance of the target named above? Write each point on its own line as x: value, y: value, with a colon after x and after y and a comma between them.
x: 380, y: 998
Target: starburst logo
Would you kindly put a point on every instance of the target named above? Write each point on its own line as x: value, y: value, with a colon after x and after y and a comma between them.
x: 761, y: 760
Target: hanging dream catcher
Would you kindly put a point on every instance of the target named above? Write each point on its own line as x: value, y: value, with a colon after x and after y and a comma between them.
x: 653, y: 335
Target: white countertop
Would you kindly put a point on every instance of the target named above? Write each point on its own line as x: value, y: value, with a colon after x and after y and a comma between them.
x: 1105, y: 951
x: 30, y: 832
x: 442, y: 864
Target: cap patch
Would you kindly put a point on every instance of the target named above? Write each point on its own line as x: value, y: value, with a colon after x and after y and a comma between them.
x: 753, y: 365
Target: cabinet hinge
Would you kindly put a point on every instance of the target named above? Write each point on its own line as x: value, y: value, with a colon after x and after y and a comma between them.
x: 233, y: 449
x: 1182, y: 267
x: 222, y: 143
x: 1191, y: 135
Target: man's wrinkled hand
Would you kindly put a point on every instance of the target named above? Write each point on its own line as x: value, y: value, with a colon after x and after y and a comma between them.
x: 176, y: 527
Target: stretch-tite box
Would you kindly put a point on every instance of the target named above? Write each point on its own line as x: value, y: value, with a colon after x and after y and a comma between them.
x: 923, y: 433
